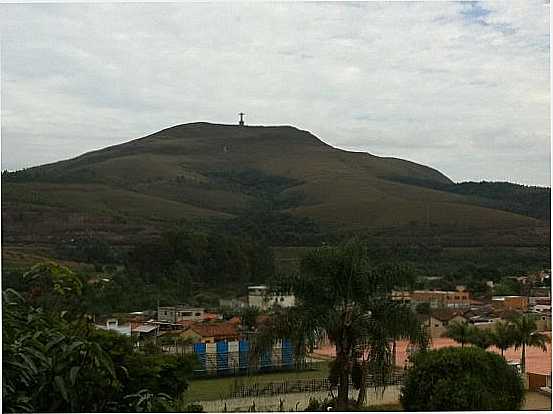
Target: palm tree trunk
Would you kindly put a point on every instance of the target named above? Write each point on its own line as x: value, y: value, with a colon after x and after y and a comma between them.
x: 343, y: 382
x: 394, y: 352
x: 363, y: 386
x: 343, y: 390
x: 523, y: 359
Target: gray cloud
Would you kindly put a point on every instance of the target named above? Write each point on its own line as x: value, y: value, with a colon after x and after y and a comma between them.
x: 463, y: 87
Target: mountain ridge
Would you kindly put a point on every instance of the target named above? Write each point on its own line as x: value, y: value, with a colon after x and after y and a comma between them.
x: 201, y: 170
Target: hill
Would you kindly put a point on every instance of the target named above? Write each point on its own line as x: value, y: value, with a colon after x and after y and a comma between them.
x: 206, y: 174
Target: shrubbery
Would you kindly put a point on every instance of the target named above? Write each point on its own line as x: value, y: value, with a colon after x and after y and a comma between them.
x: 461, y: 379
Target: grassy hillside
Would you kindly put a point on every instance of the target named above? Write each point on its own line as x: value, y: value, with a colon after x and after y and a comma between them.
x: 204, y: 173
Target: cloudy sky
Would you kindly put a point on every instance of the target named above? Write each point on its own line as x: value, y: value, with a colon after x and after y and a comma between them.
x: 463, y: 87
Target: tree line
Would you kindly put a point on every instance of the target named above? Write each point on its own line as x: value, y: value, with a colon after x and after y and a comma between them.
x: 532, y: 201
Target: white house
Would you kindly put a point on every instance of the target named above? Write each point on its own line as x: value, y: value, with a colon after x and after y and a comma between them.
x: 261, y: 297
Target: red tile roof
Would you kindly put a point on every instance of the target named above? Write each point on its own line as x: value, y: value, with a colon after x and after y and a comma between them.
x: 184, y: 323
x: 207, y: 330
x: 235, y: 320
x: 210, y: 316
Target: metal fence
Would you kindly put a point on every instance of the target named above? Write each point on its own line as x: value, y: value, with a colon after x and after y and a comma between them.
x: 305, y: 386
x: 242, y: 363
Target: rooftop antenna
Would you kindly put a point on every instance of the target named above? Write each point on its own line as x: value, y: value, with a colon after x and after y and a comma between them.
x: 241, y: 123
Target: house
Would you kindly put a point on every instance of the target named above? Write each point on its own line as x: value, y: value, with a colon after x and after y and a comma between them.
x: 172, y: 314
x: 539, y: 300
x: 459, y: 298
x: 541, y: 306
x: 506, y: 314
x: 233, y: 303
x: 519, y: 303
x: 440, y: 319
x: 262, y: 298
x: 544, y: 292
x: 543, y: 322
x: 143, y: 330
x: 401, y: 296
x: 209, y: 333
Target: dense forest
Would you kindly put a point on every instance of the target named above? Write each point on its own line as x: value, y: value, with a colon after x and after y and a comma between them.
x: 188, y: 266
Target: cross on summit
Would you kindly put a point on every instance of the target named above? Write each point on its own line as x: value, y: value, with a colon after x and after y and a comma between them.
x: 241, y: 122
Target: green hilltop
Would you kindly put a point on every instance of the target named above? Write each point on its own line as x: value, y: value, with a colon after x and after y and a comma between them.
x: 202, y: 173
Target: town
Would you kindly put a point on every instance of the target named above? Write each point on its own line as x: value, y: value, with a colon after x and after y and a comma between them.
x: 219, y: 338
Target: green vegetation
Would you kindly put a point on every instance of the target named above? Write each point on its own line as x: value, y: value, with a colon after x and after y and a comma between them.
x: 341, y: 293
x: 461, y: 379
x: 520, y: 332
x: 54, y: 360
x: 461, y: 332
x: 266, y: 188
x: 466, y: 333
x: 530, y: 201
x: 438, y: 267
x: 217, y: 388
x: 88, y: 250
x: 202, y: 174
x: 524, y: 334
x: 181, y: 267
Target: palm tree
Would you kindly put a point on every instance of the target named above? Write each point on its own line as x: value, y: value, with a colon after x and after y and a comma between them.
x: 337, y: 292
x: 525, y: 334
x: 389, y: 321
x: 481, y: 338
x: 460, y: 332
x: 502, y: 336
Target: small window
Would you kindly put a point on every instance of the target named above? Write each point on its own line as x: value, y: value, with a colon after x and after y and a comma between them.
x: 457, y: 297
x: 436, y: 325
x: 282, y: 299
x: 197, y: 314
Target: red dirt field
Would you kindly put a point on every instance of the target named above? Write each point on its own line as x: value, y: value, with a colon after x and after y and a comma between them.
x: 537, y: 361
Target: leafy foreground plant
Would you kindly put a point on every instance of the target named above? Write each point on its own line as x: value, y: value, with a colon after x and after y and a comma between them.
x: 461, y: 379
x: 55, y: 361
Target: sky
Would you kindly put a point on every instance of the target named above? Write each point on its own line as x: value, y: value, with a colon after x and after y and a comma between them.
x: 463, y: 87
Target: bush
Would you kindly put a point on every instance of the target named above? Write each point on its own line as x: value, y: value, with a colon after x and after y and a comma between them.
x: 194, y: 408
x: 461, y: 379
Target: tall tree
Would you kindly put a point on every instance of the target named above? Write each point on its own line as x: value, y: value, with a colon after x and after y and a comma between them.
x: 480, y: 337
x: 459, y: 332
x: 525, y: 333
x: 337, y: 291
x: 389, y: 322
x: 502, y: 336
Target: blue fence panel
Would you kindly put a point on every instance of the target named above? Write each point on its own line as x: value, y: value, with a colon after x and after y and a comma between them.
x: 265, y: 360
x: 199, y: 350
x: 222, y: 356
x: 287, y: 353
x: 244, y: 354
